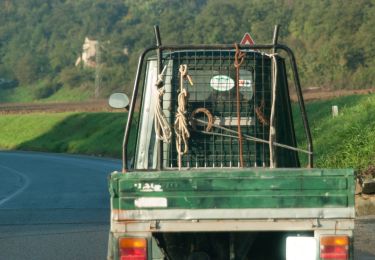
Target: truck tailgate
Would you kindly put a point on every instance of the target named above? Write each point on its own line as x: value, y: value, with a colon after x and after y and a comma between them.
x: 233, y: 194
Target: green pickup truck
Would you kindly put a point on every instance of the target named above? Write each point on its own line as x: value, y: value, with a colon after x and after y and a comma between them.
x: 211, y: 165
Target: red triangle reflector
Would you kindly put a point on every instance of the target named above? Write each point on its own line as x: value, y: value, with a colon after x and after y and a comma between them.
x: 247, y: 40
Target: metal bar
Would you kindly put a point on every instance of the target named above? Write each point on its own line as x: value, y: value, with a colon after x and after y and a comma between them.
x: 157, y: 36
x: 263, y: 131
x: 255, y: 78
x: 340, y: 226
x: 300, y: 102
x: 249, y: 213
x: 216, y: 47
x: 248, y: 137
x: 275, y: 36
x: 159, y: 69
x: 131, y: 108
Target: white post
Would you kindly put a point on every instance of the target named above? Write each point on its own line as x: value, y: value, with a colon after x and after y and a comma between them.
x: 335, y: 111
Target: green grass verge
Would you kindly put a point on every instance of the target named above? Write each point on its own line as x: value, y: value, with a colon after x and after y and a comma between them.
x: 81, y: 133
x: 346, y: 141
x: 17, y: 95
x: 66, y: 94
x: 35, y: 92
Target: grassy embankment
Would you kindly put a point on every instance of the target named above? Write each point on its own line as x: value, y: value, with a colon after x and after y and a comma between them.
x: 344, y: 141
x: 82, y: 133
x: 35, y: 93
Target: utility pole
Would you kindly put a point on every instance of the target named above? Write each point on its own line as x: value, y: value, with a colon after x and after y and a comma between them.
x: 98, y: 76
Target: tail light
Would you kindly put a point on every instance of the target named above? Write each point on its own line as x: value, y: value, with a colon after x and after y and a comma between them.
x: 133, y: 248
x: 334, y: 247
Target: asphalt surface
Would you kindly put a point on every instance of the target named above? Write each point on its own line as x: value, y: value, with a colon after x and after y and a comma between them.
x: 54, y: 206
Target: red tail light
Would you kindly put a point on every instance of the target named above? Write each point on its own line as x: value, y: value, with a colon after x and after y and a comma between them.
x: 334, y: 247
x: 133, y: 248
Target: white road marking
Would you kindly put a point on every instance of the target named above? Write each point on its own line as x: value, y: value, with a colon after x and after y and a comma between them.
x: 26, y: 182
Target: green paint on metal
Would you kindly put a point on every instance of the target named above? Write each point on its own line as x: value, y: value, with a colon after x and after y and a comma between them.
x: 243, y: 200
x: 225, y: 184
x: 242, y: 188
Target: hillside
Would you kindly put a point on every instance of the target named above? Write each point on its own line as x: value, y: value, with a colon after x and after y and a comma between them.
x: 41, y: 40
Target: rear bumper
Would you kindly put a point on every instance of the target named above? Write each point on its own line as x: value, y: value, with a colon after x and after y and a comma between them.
x: 232, y: 225
x: 206, y: 214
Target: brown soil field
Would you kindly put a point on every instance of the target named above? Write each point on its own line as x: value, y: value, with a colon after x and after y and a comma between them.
x: 55, y: 107
x: 321, y: 94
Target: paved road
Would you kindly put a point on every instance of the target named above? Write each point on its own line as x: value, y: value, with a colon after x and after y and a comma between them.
x: 53, y: 206
x: 56, y: 206
x: 364, y: 238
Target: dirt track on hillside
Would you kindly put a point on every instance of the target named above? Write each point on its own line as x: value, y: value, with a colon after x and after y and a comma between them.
x: 321, y: 94
x: 55, y: 107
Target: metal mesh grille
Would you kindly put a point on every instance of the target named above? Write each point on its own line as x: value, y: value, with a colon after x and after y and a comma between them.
x: 214, y: 92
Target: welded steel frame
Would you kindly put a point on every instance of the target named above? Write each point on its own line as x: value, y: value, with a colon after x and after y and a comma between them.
x: 159, y: 48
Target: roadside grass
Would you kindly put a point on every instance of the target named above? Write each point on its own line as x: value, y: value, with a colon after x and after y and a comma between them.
x: 36, y: 92
x: 76, y: 94
x: 345, y: 141
x: 97, y: 134
x: 16, y: 94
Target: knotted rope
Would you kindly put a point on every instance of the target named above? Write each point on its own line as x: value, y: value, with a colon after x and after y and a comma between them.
x: 180, y: 124
x: 239, y: 58
x: 162, y: 128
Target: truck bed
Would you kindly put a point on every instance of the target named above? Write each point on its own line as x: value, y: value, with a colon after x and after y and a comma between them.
x: 253, y: 193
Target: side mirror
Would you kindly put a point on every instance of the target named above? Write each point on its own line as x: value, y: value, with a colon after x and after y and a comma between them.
x: 118, y: 100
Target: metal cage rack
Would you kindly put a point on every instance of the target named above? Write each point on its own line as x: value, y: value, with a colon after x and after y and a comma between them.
x: 215, y: 117
x: 211, y: 108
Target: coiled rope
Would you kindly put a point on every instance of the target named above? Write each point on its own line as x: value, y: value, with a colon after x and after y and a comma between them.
x: 180, y: 124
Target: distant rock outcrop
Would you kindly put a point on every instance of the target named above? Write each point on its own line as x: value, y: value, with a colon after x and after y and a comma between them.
x: 88, y: 55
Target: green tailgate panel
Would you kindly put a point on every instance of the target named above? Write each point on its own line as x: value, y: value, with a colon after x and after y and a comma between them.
x: 240, y: 188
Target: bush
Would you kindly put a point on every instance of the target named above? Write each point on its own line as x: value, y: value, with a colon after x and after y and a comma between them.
x: 73, y: 77
x: 46, y: 90
x: 8, y: 84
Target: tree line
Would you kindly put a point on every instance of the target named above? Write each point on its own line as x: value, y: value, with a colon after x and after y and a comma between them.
x: 40, y: 40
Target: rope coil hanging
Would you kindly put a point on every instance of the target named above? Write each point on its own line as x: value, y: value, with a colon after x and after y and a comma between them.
x: 181, y: 123
x: 162, y: 128
x: 205, y: 112
x: 272, y: 136
x: 239, y: 58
